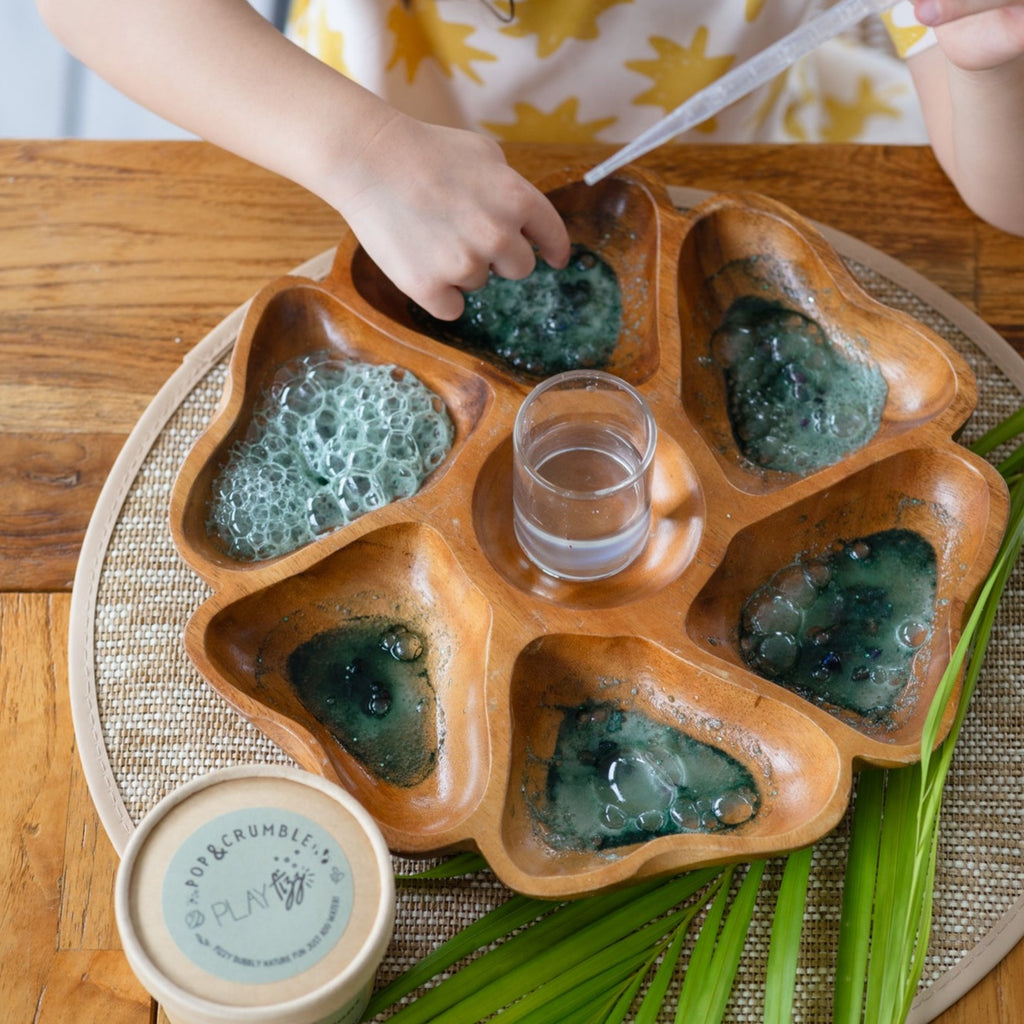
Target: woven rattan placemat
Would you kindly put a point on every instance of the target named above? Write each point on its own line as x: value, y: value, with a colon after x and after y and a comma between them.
x: 146, y: 722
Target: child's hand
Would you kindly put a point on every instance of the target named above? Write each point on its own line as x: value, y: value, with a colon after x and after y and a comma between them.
x: 438, y: 208
x: 975, y: 35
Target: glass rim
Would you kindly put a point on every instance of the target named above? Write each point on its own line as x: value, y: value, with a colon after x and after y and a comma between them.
x: 643, y: 407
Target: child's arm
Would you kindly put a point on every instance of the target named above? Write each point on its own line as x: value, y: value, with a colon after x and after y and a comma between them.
x: 436, y: 208
x: 971, y: 87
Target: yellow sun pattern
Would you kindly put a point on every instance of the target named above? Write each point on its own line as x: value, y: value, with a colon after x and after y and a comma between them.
x: 847, y: 120
x: 679, y: 71
x: 791, y: 121
x: 554, y: 23
x: 906, y: 34
x: 603, y: 70
x: 754, y: 8
x: 309, y: 28
x: 794, y: 106
x: 562, y: 124
x: 422, y: 34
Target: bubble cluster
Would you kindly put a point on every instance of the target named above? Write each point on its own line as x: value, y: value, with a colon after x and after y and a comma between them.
x: 402, y: 644
x: 620, y: 777
x: 368, y: 683
x: 550, y: 321
x: 796, y: 403
x: 649, y: 791
x: 330, y: 439
x: 843, y: 627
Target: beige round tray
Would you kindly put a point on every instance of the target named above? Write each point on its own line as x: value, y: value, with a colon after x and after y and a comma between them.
x: 147, y: 722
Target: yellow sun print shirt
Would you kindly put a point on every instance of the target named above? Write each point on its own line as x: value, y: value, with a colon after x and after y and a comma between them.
x: 603, y: 70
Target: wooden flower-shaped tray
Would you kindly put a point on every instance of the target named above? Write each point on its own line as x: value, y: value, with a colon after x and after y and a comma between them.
x: 509, y: 652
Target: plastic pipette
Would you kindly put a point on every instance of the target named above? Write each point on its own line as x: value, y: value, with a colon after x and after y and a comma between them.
x: 741, y: 80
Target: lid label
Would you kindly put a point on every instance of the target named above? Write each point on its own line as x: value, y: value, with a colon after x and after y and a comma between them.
x: 257, y: 895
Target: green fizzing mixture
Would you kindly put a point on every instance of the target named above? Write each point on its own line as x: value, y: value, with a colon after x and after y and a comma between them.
x: 796, y: 402
x: 551, y: 321
x: 619, y: 777
x: 329, y: 440
x: 368, y: 684
x: 842, y: 628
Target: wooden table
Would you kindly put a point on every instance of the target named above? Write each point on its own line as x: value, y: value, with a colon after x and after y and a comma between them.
x: 115, y: 260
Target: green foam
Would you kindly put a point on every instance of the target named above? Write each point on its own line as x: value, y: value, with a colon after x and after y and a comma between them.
x: 843, y: 628
x: 551, y: 321
x: 367, y: 682
x: 330, y: 440
x: 619, y: 777
x: 797, y: 401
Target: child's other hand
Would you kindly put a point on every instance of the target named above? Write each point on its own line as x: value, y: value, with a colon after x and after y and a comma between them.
x: 975, y: 35
x: 438, y: 208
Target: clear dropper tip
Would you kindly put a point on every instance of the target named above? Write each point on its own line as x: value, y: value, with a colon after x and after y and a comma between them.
x: 602, y: 170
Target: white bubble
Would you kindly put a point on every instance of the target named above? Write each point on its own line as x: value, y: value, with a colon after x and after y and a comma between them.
x: 329, y: 440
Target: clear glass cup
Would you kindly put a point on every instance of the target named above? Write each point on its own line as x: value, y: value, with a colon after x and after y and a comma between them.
x: 583, y: 455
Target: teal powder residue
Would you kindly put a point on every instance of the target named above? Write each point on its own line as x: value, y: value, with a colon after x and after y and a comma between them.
x: 329, y: 440
x: 367, y: 682
x: 619, y: 777
x: 842, y: 628
x: 551, y: 321
x: 796, y: 402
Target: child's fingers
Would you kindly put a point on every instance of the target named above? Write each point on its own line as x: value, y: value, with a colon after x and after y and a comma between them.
x: 546, y: 230
x: 940, y: 12
x: 445, y: 302
x: 516, y: 261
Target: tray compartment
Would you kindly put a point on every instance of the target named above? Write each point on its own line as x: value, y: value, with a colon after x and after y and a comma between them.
x: 940, y: 495
x: 298, y: 638
x: 290, y: 321
x: 801, y: 783
x: 749, y: 250
x: 678, y: 518
x: 619, y: 221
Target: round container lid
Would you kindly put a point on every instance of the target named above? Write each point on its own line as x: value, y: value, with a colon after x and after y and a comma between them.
x: 253, y: 891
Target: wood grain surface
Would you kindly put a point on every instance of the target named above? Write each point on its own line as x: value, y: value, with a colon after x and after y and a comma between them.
x: 115, y: 260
